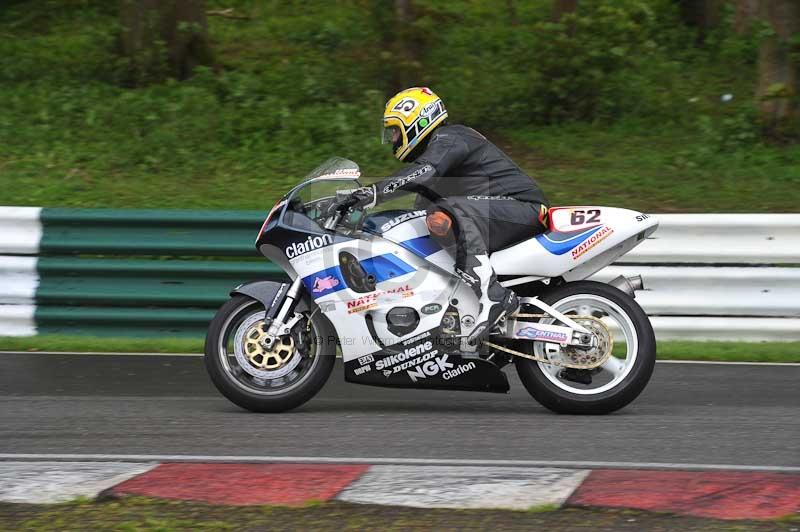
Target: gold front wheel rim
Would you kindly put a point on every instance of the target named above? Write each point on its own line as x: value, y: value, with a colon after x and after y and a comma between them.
x: 270, y: 359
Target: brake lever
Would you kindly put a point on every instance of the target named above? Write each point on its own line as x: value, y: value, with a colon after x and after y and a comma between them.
x: 333, y: 221
x: 341, y: 209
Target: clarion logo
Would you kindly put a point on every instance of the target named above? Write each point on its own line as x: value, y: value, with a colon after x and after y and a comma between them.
x: 460, y: 370
x: 310, y: 244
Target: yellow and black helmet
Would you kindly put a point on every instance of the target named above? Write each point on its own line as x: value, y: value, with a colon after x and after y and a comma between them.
x: 410, y: 116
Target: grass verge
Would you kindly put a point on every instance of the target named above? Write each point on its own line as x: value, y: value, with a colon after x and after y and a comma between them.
x: 92, y: 344
x: 730, y: 351
x: 719, y: 351
x: 141, y: 514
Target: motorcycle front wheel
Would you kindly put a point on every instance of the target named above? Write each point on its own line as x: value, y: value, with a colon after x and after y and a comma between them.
x: 277, y: 379
x: 614, y: 384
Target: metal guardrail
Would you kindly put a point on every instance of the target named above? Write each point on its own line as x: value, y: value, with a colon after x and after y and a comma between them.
x: 722, y: 239
x: 101, y: 272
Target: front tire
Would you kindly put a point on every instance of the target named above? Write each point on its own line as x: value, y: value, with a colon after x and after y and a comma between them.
x: 267, y: 381
x: 614, y: 384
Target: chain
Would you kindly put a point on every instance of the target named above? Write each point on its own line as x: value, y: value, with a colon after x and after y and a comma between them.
x: 589, y: 365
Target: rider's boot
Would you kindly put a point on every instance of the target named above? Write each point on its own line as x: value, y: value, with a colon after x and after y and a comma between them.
x: 496, y: 301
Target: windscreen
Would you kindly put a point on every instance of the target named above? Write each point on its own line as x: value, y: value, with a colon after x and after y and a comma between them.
x: 335, y: 167
x: 314, y: 198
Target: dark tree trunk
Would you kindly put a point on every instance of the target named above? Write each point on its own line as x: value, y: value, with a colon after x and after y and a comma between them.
x: 779, y: 69
x: 563, y: 7
x: 746, y: 11
x: 401, y: 42
x: 704, y: 15
x: 405, y: 46
x: 164, y: 38
x: 513, y: 17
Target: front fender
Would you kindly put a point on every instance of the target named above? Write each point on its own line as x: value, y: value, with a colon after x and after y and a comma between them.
x: 269, y: 293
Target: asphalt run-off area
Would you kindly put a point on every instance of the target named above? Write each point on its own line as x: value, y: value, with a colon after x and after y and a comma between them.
x: 164, y: 408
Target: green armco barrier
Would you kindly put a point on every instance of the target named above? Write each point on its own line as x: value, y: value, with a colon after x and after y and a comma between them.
x: 151, y: 232
x: 108, y: 272
x: 123, y: 321
x: 144, y: 283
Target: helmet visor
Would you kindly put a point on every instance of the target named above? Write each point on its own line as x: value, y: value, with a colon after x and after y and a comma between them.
x: 392, y: 135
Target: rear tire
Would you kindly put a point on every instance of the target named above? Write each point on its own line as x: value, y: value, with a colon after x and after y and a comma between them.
x: 295, y: 381
x: 543, y: 381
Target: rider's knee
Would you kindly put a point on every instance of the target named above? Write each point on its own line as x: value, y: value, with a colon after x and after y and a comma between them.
x: 439, y: 223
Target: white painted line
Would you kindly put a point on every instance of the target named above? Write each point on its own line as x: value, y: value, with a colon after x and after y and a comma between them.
x: 729, y: 363
x: 391, y: 461
x: 101, y: 398
x: 20, y: 230
x: 93, y: 353
x: 515, y: 488
x: 53, y: 482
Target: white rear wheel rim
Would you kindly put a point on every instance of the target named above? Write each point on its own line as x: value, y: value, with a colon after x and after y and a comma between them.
x: 620, y: 325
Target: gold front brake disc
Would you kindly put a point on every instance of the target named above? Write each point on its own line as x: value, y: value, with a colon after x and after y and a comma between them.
x: 273, y: 358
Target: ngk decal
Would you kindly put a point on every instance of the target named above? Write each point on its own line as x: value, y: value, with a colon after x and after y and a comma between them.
x: 430, y: 368
x: 438, y: 365
x: 369, y: 301
x: 309, y: 244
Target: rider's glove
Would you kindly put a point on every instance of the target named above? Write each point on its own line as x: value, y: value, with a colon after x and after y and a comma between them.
x: 364, y: 197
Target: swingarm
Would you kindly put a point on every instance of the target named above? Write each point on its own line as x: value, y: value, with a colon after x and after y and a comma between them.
x: 582, y: 342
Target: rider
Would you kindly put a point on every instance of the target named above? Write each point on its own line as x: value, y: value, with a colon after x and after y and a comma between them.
x: 466, y: 179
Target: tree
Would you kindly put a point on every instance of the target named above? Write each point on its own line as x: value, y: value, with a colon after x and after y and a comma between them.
x: 513, y: 16
x: 163, y: 38
x: 563, y: 7
x: 746, y: 11
x: 704, y: 15
x: 779, y: 68
x: 401, y: 43
x: 406, y: 45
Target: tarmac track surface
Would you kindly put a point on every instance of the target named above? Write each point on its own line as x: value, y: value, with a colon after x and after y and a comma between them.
x: 165, y: 405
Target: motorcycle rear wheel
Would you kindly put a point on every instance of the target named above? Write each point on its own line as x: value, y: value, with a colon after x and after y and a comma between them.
x: 614, y: 384
x: 267, y: 381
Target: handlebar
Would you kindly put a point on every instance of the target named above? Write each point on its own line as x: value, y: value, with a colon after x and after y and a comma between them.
x: 344, y: 202
x: 333, y: 221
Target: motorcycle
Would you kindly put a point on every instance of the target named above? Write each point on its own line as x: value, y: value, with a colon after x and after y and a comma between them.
x: 379, y: 288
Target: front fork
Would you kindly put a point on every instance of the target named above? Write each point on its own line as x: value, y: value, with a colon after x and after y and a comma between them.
x: 279, y: 325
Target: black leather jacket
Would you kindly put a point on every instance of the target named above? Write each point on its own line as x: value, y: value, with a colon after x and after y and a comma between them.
x: 459, y: 161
